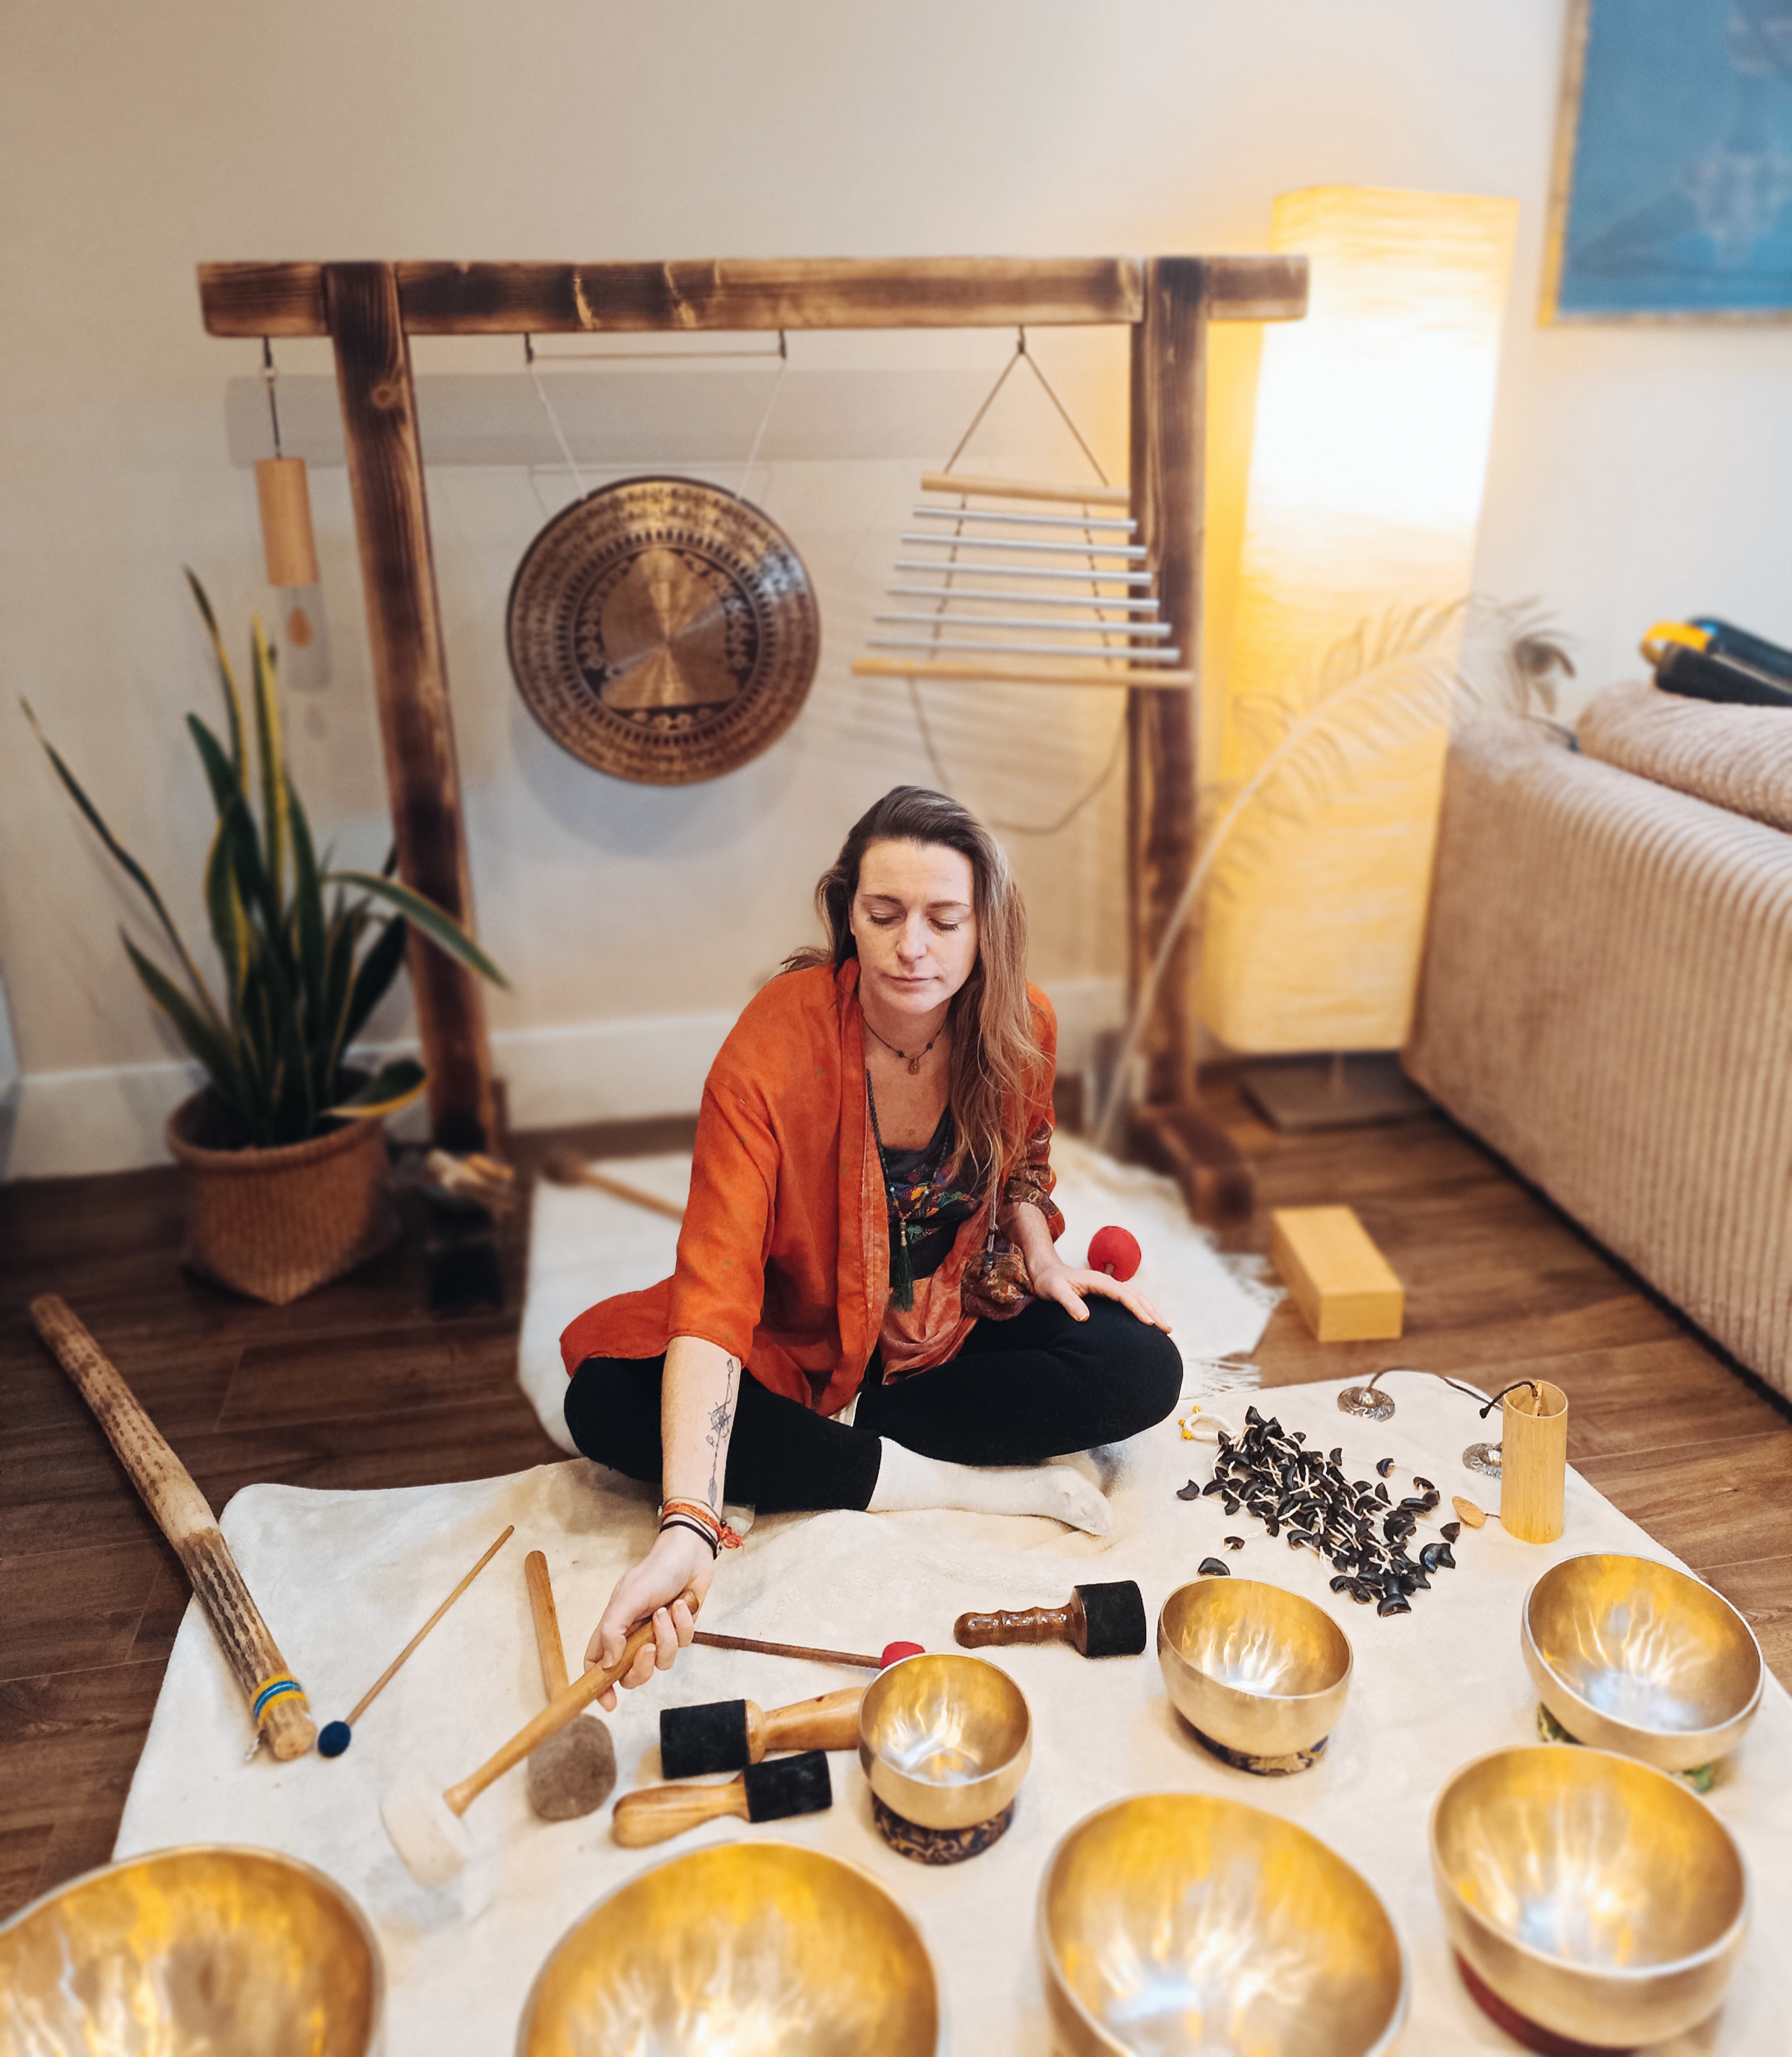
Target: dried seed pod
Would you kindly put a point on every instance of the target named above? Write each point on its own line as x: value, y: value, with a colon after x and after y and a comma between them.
x: 1272, y: 1524
x: 1210, y: 1567
x: 1233, y: 1542
x: 1384, y: 1496
x: 1383, y: 1466
x: 1468, y: 1512
x: 1342, y: 1585
x: 1450, y: 1531
x: 1394, y: 1603
x: 1335, y: 1456
x: 1423, y: 1484
x: 1191, y: 1491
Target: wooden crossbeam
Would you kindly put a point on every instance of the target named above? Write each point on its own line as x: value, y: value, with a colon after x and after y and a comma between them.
x: 744, y: 294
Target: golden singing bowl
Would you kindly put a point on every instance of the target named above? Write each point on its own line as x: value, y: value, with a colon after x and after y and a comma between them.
x: 945, y: 1740
x: 1639, y: 1658
x: 1182, y: 1921
x: 1262, y: 1671
x: 1600, y: 1898
x: 187, y: 1952
x: 746, y: 1949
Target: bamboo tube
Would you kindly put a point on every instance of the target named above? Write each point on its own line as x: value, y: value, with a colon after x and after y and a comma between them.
x: 1019, y: 489
x: 184, y: 1515
x: 287, y: 540
x: 1534, y: 1461
x: 1014, y: 672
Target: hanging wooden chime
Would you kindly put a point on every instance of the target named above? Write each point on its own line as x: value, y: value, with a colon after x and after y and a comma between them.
x: 290, y: 550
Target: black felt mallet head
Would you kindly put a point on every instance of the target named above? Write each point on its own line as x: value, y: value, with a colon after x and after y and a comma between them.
x: 1099, y: 1621
x: 726, y: 1735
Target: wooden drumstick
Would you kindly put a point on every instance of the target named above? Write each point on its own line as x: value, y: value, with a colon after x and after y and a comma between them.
x: 183, y: 1514
x: 893, y: 1652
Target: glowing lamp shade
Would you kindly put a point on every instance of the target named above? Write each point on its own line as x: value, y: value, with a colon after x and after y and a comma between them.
x: 1367, y: 467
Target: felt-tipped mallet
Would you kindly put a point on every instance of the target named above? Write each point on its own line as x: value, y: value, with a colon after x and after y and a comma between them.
x: 893, y: 1653
x: 333, y: 1738
x: 1098, y: 1621
x: 426, y: 1825
x: 728, y: 1735
x: 1115, y: 1251
x: 772, y: 1792
x: 573, y: 1773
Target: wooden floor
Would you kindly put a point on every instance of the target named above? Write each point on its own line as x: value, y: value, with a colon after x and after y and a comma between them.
x: 360, y: 1386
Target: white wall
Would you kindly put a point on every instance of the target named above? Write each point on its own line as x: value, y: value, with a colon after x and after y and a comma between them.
x: 1635, y: 471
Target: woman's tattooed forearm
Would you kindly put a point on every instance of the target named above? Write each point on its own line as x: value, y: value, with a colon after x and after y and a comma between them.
x: 721, y: 1420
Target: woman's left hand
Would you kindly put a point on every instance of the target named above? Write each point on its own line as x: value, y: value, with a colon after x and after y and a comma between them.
x: 1070, y: 1289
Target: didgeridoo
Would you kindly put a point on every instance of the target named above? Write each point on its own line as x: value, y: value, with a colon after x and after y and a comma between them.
x: 182, y: 1513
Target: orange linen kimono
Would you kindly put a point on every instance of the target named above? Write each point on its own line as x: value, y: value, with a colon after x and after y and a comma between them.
x: 784, y: 1259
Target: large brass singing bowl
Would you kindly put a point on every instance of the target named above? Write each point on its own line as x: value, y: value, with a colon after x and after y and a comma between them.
x: 188, y: 1952
x: 1639, y: 1658
x: 1261, y: 1670
x: 1180, y: 1921
x: 748, y: 1949
x: 945, y: 1740
x: 1600, y: 1898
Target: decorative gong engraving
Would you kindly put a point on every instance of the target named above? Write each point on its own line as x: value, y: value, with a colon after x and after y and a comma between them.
x: 663, y: 631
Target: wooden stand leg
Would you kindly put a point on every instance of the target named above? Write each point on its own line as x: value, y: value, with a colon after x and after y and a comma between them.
x: 1169, y: 406
x: 423, y: 780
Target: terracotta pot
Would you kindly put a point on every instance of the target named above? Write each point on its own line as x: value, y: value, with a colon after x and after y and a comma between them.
x: 277, y: 1223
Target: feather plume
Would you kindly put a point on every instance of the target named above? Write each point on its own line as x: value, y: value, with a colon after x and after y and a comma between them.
x: 1387, y: 685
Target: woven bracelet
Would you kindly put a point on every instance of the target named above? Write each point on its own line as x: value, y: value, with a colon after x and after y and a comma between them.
x: 696, y: 1528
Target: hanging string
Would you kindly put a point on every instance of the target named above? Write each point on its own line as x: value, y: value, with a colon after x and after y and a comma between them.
x: 765, y: 419
x: 553, y: 419
x: 1021, y: 353
x: 268, y: 375
x: 531, y: 359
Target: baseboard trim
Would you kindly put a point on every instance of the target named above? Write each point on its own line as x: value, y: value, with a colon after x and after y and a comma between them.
x: 69, y: 1124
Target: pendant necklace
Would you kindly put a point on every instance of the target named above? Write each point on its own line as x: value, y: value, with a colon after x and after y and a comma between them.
x: 913, y: 1063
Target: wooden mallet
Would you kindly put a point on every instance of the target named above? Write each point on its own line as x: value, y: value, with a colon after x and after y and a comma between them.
x: 1099, y: 1621
x: 334, y: 1737
x: 426, y: 1825
x: 728, y: 1735
x: 181, y: 1511
x: 573, y: 1773
x: 771, y: 1792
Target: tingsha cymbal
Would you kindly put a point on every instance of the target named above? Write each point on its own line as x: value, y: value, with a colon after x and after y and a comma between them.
x: 663, y: 631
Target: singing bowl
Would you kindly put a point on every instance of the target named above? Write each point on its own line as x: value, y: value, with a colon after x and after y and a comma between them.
x: 945, y: 1740
x: 1599, y: 1898
x: 1183, y: 1921
x: 187, y: 1952
x: 748, y: 1949
x: 1261, y: 1670
x: 1640, y: 1658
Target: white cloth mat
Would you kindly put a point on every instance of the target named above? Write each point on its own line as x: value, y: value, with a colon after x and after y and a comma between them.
x: 344, y: 1579
x: 584, y: 1245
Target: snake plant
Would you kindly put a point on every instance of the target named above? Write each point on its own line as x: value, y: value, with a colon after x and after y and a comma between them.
x: 306, y: 952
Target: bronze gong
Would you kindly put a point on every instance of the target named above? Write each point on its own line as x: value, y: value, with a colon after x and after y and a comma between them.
x: 664, y: 631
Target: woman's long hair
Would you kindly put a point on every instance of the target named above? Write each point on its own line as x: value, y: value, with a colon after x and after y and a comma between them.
x: 996, y: 1054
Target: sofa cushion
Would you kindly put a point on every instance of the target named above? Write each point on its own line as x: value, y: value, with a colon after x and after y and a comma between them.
x: 1735, y: 757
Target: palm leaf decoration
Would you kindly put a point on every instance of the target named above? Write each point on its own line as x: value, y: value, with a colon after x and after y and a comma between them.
x: 1387, y: 685
x: 301, y: 974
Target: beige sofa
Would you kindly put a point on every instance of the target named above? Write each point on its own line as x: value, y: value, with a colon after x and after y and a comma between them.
x: 1606, y: 996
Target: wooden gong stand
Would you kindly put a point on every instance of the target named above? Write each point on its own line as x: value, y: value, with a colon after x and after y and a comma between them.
x: 370, y: 311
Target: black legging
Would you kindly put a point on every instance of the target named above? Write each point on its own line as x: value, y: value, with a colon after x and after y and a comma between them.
x: 1018, y: 1392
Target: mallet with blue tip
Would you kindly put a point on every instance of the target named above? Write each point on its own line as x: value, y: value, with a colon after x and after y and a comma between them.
x: 333, y: 1738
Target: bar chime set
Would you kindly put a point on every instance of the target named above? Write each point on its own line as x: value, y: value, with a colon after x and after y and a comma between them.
x: 984, y: 600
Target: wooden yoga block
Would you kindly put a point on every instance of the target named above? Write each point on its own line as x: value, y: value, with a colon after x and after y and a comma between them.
x: 1341, y: 1282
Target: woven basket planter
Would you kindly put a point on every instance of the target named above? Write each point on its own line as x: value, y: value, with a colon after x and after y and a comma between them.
x: 277, y: 1223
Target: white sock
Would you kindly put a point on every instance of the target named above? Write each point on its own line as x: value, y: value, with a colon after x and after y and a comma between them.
x: 907, y: 1481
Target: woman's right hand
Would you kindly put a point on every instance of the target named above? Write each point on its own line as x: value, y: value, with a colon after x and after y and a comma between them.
x: 654, y: 1588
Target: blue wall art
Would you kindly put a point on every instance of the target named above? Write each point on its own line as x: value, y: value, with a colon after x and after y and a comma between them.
x: 1673, y: 191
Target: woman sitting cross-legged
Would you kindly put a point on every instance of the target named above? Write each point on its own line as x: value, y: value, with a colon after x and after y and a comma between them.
x: 869, y: 1221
